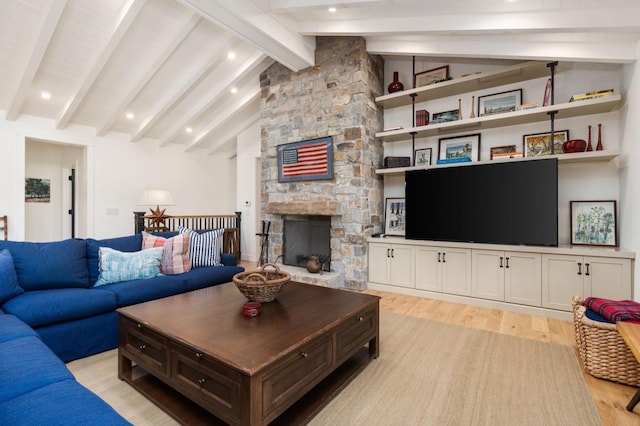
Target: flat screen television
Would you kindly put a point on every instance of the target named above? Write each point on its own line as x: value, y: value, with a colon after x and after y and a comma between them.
x: 513, y: 203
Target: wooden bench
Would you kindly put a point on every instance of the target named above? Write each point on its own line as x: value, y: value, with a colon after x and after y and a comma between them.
x: 230, y: 223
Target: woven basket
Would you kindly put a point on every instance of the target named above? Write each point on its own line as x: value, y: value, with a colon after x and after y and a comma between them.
x: 603, y: 352
x: 262, y: 285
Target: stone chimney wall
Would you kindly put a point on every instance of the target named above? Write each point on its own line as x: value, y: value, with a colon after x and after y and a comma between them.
x: 333, y: 98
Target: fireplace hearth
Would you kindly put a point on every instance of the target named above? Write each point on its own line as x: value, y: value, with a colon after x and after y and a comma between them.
x: 305, y: 236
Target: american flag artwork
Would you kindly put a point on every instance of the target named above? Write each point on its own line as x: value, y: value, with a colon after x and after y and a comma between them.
x: 305, y: 160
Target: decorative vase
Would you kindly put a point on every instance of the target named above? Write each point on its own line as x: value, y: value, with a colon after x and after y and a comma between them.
x: 574, y: 145
x: 599, y: 146
x: 313, y: 264
x: 589, y: 146
x: 395, y: 85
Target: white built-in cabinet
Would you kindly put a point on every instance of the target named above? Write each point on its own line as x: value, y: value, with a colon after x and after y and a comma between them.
x: 538, y: 277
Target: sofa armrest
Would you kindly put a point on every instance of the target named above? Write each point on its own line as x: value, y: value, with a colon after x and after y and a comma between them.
x: 228, y: 259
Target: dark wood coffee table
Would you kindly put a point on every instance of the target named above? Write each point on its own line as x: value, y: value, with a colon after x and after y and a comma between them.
x: 201, y: 361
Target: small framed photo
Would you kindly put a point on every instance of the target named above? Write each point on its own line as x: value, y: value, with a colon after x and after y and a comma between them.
x: 459, y: 147
x: 422, y: 157
x: 445, y: 116
x: 432, y: 76
x: 593, y: 223
x: 499, y: 103
x: 505, y: 149
x: 538, y: 144
x: 394, y: 216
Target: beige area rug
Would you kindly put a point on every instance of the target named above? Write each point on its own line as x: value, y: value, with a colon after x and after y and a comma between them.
x: 428, y: 373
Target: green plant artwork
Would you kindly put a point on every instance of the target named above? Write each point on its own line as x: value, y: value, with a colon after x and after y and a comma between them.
x: 593, y: 223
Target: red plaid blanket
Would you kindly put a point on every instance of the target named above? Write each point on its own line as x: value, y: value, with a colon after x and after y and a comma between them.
x: 614, y: 310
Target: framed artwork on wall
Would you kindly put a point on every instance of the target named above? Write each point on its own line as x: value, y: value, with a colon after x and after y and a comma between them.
x: 432, y: 76
x: 505, y: 149
x: 422, y: 157
x: 499, y: 103
x: 306, y: 160
x: 459, y: 148
x: 394, y: 216
x: 593, y: 223
x: 445, y: 116
x: 538, y: 144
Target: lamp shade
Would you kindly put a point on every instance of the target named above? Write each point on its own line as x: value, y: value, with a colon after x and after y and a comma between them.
x: 156, y: 197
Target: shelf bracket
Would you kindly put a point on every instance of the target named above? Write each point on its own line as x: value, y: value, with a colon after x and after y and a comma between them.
x: 552, y: 66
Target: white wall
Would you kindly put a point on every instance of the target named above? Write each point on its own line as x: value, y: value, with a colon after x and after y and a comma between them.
x: 248, y: 151
x: 117, y: 171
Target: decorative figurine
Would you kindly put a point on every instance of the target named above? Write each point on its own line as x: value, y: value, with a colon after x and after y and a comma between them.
x: 589, y: 146
x: 395, y: 85
x: 599, y: 146
x: 473, y: 102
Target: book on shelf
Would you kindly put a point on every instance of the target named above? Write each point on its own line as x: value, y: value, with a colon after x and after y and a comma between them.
x: 591, y: 95
x: 422, y: 117
x: 507, y: 155
x: 529, y: 105
x: 454, y: 160
x: 391, y: 128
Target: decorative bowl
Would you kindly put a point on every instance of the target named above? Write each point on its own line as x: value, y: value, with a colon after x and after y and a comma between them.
x: 262, y: 285
x: 574, y: 145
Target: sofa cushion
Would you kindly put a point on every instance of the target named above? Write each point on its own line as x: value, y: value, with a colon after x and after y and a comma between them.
x: 61, y: 403
x: 12, y: 328
x: 210, y: 275
x: 204, y: 248
x: 137, y: 291
x: 175, y: 254
x: 9, y: 286
x: 117, y: 266
x: 128, y: 244
x: 41, y: 307
x: 56, y: 264
x: 28, y: 364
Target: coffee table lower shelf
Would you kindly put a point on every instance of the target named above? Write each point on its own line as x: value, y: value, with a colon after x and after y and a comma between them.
x: 187, y: 412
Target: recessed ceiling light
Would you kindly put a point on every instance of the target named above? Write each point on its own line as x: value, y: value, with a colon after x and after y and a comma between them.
x: 332, y: 9
x: 188, y: 130
x: 231, y: 55
x: 45, y: 95
x: 234, y: 90
x: 130, y: 115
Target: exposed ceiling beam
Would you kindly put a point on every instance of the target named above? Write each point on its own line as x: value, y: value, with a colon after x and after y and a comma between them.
x: 124, y: 21
x: 232, y: 133
x: 216, y: 92
x: 279, y: 6
x: 256, y: 26
x: 230, y: 111
x: 44, y: 32
x: 179, y: 90
x: 188, y: 23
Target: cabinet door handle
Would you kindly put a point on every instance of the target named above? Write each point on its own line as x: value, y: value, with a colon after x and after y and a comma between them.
x: 579, y: 268
x: 201, y: 381
x: 444, y: 259
x: 507, y: 260
x: 304, y: 355
x: 388, y: 252
x: 392, y: 252
x: 439, y: 257
x: 198, y: 355
x: 142, y: 347
x: 501, y: 262
x: 360, y: 318
x: 587, y: 266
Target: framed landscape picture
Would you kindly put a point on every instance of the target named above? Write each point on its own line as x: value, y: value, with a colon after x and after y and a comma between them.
x: 431, y: 76
x: 499, y: 103
x: 505, y: 149
x: 422, y: 157
x: 460, y: 147
x: 593, y: 223
x: 394, y: 216
x: 538, y: 144
x: 445, y: 116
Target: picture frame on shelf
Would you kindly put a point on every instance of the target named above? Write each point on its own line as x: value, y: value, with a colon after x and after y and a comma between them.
x: 539, y: 144
x: 432, y: 76
x: 459, y: 148
x: 505, y: 149
x: 394, y: 216
x: 593, y: 223
x: 499, y: 103
x: 445, y: 116
x: 422, y: 157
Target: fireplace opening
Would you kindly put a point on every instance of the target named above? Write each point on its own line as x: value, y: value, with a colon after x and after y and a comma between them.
x: 305, y: 236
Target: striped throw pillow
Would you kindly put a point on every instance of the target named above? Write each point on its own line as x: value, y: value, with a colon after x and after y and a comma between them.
x: 175, y: 254
x: 204, y: 248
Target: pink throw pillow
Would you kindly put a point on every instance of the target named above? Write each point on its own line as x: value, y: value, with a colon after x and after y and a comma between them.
x: 175, y: 254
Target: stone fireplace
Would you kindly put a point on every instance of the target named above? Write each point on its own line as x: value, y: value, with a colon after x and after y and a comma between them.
x: 304, y: 236
x: 334, y: 98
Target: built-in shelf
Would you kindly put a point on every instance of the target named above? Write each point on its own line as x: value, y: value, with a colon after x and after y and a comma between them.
x: 578, y: 157
x: 470, y: 83
x: 564, y: 110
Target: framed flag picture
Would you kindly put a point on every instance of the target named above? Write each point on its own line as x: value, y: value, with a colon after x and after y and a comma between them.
x: 306, y: 160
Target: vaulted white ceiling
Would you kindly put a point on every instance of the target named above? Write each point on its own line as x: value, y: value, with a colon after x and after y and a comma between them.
x: 166, y: 62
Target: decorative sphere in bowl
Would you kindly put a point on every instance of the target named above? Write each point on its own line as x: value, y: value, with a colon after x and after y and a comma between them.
x: 574, y: 145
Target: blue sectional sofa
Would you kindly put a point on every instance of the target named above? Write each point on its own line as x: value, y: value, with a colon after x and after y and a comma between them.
x: 54, y: 313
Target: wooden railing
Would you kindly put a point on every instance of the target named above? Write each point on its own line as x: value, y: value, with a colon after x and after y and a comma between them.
x: 230, y: 223
x: 4, y: 226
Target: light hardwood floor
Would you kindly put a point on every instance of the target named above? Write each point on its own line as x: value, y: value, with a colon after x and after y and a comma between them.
x: 610, y: 398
